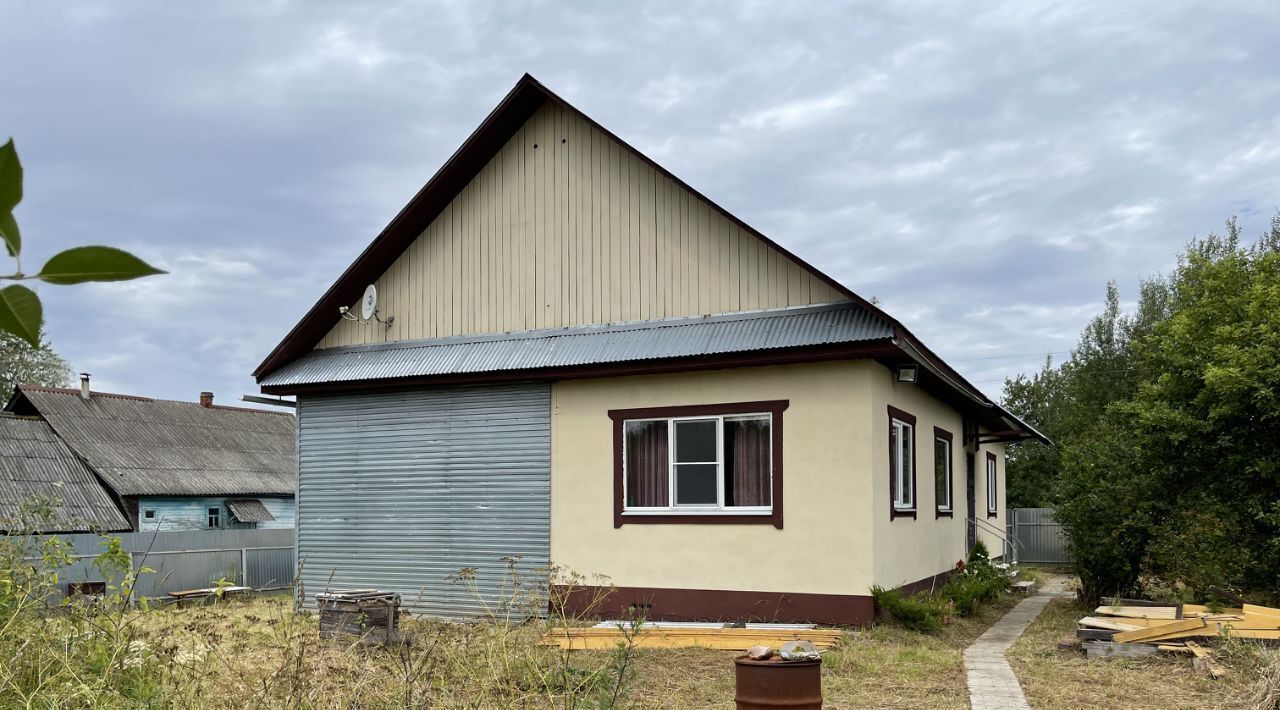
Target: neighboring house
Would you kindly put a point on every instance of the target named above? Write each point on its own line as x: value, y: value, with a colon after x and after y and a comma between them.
x: 175, y: 465
x: 580, y: 360
x: 45, y: 488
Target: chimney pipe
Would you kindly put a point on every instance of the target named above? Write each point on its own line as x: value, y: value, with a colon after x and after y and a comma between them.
x: 84, y: 385
x: 206, y: 400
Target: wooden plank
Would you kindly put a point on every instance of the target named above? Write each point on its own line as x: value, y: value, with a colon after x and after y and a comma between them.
x: 1202, y: 610
x: 1256, y: 610
x: 1094, y: 622
x: 717, y: 638
x: 1095, y: 634
x: 1160, y: 631
x: 1139, y: 612
x: 1214, y: 629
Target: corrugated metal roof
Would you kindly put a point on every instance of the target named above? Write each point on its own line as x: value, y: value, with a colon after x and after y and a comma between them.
x: 34, y: 462
x: 588, y: 345
x: 146, y: 446
x: 250, y: 510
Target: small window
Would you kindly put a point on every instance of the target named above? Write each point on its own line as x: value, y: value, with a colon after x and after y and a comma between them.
x: 902, y: 462
x: 942, y: 470
x: 149, y: 514
x: 992, y: 501
x: 215, y: 518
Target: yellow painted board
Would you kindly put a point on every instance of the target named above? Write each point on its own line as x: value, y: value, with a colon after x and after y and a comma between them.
x: 1159, y: 631
x: 725, y: 644
x: 723, y: 632
x: 1138, y: 612
x: 1094, y: 622
x: 1261, y: 611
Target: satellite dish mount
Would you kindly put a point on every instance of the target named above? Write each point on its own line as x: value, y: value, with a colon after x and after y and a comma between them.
x: 368, y: 309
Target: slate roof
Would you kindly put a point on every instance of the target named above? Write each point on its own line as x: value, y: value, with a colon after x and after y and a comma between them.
x: 670, y: 338
x: 142, y: 446
x: 34, y: 462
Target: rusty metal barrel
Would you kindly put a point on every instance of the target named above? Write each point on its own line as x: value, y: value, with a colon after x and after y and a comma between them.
x: 775, y: 683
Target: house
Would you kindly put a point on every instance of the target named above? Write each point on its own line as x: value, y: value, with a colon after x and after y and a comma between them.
x: 174, y: 465
x: 45, y: 488
x: 574, y: 357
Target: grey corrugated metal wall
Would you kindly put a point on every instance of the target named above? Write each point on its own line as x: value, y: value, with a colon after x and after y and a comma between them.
x: 1036, y: 537
x: 399, y: 490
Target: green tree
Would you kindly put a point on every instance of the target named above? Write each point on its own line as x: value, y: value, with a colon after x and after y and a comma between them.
x: 20, y: 310
x: 1033, y: 466
x: 1167, y: 423
x: 22, y: 363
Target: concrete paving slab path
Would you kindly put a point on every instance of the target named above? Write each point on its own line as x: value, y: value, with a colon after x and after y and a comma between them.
x: 992, y: 685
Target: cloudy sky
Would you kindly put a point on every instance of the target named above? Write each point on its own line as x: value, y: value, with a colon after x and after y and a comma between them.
x: 981, y: 168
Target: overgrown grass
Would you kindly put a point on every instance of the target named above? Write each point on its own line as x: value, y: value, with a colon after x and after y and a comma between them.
x: 1053, y: 678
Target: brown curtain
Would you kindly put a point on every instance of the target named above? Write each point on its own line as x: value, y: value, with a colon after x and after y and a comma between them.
x: 750, y: 461
x: 647, y: 462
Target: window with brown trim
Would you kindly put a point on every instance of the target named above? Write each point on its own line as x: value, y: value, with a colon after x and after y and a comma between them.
x: 715, y: 463
x: 993, y: 503
x: 942, y: 461
x: 902, y: 464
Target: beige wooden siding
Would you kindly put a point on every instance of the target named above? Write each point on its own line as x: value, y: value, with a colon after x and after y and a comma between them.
x: 574, y: 231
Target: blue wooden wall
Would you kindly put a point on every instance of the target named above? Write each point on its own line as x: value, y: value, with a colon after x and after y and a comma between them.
x: 191, y: 513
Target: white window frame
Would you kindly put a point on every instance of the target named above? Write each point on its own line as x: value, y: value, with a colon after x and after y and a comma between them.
x: 903, y: 495
x: 993, y: 505
x: 698, y: 509
x: 948, y: 458
x: 211, y: 516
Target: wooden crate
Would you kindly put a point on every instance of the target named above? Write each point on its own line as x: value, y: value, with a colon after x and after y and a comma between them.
x: 365, y: 614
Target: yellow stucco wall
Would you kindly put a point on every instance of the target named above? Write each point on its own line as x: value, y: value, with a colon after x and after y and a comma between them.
x: 991, y: 530
x: 825, y: 545
x: 908, y: 550
x: 837, y: 538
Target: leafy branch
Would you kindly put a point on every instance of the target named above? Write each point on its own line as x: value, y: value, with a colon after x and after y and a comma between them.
x: 20, y: 310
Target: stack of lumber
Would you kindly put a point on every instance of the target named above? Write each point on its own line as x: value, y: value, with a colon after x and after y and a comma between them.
x: 727, y: 639
x: 1139, y: 628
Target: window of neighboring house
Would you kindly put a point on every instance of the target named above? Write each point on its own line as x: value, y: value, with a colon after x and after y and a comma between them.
x: 942, y: 471
x: 215, y: 518
x: 702, y: 463
x: 902, y: 463
x: 149, y: 514
x: 992, y: 501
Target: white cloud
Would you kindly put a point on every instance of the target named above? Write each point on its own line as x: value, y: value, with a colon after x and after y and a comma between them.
x: 984, y: 170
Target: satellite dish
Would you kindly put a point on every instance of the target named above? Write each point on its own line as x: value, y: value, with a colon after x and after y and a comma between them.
x: 369, y: 303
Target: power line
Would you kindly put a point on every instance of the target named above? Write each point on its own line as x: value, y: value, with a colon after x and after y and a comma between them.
x: 1010, y: 357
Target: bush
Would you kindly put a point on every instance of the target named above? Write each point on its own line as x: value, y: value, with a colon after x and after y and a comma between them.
x: 920, y: 612
x: 980, y: 581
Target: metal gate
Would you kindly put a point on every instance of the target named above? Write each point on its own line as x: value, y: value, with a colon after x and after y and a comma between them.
x: 401, y: 490
x: 1036, y: 537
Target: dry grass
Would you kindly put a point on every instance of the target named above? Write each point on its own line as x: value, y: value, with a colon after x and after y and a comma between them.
x: 257, y: 650
x: 1053, y: 679
x: 261, y: 653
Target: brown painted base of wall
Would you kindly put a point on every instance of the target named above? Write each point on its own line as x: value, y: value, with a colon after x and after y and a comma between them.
x: 657, y: 604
